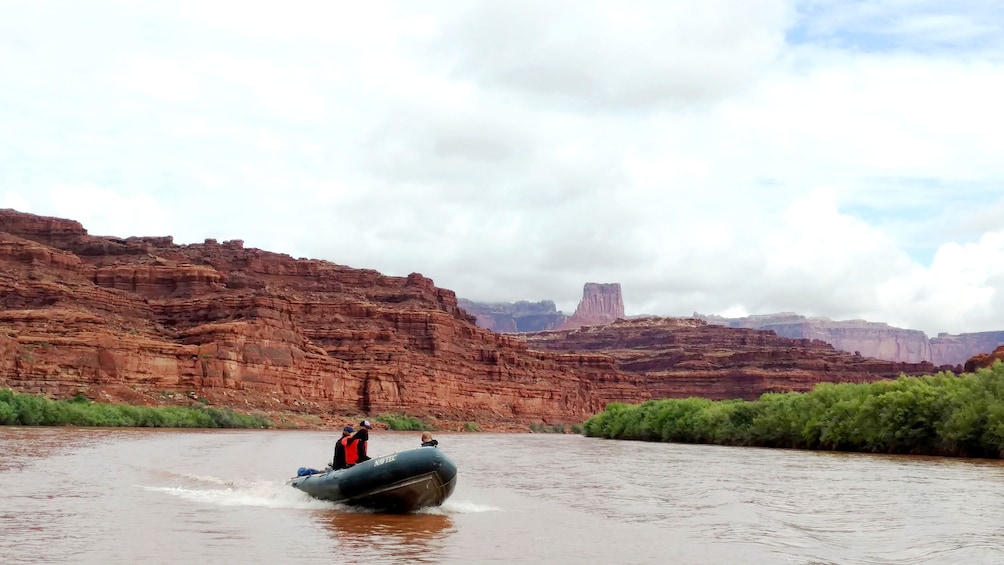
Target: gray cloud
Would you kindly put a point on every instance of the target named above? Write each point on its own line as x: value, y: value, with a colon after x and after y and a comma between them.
x: 518, y: 150
x: 629, y: 57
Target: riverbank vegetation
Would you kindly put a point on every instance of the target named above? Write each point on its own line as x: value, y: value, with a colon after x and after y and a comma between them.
x: 403, y: 422
x: 940, y: 414
x: 32, y: 410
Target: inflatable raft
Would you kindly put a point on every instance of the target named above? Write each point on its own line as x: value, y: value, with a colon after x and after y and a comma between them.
x: 400, y: 482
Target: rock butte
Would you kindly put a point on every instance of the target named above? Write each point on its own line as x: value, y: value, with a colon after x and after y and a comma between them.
x: 602, y: 304
x: 145, y: 321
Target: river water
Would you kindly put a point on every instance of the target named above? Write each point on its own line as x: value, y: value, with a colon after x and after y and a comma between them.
x: 167, y: 496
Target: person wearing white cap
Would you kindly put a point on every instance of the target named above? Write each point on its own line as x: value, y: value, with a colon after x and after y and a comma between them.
x: 362, y: 439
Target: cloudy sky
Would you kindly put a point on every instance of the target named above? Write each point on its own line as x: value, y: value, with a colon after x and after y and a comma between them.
x: 830, y: 158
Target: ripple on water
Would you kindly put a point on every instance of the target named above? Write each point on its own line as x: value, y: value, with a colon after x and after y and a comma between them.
x: 192, y: 497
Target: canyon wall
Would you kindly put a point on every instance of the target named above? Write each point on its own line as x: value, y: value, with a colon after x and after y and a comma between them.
x: 871, y: 339
x: 146, y: 321
x: 682, y: 357
x: 955, y: 349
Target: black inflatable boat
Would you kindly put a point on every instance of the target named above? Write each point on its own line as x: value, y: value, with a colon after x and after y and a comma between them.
x: 400, y: 482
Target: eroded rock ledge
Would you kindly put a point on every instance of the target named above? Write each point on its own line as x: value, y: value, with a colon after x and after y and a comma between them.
x: 144, y: 320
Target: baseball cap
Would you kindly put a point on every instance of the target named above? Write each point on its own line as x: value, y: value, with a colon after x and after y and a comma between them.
x: 366, y: 424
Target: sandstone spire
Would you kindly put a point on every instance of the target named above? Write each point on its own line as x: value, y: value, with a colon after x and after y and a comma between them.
x: 600, y: 304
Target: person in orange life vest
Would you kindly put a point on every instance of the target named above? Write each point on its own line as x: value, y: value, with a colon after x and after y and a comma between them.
x: 339, y: 461
x: 360, y: 443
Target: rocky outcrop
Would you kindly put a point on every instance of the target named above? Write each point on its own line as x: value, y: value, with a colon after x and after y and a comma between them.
x: 144, y: 320
x: 600, y: 304
x: 681, y: 357
x: 871, y: 339
x: 515, y: 317
x: 985, y: 360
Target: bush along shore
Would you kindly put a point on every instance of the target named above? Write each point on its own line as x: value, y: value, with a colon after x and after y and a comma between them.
x: 942, y: 414
x: 33, y: 410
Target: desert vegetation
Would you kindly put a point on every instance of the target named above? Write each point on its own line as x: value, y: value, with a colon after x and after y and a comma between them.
x: 940, y: 414
x: 34, y: 410
x: 403, y: 422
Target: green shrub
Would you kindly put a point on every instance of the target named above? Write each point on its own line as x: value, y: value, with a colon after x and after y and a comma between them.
x: 33, y: 410
x: 939, y: 414
x: 403, y: 422
x: 7, y: 414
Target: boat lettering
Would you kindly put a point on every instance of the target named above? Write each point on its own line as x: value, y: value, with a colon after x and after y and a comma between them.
x: 383, y: 460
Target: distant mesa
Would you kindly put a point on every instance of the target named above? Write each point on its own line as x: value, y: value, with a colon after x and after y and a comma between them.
x: 515, y: 317
x: 871, y: 339
x: 603, y: 304
x: 600, y: 304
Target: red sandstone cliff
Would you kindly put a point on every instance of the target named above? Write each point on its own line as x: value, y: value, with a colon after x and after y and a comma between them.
x: 681, y: 357
x: 600, y: 304
x: 144, y: 320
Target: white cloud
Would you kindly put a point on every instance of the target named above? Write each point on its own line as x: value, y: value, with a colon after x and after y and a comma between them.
x: 164, y: 79
x: 630, y: 57
x: 827, y: 158
x: 110, y: 211
x: 960, y: 291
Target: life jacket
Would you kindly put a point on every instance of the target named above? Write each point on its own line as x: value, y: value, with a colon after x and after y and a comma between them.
x: 351, y: 450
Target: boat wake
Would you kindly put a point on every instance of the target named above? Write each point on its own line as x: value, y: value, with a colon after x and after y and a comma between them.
x: 219, y: 491
x: 463, y: 507
x: 264, y: 494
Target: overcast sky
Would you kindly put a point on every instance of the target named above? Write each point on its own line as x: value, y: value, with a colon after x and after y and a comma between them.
x: 831, y: 158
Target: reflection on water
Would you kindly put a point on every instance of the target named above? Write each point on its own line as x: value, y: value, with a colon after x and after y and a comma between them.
x: 409, y: 537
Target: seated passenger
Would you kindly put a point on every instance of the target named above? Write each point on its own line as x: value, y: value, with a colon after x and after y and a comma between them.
x: 427, y: 440
x: 339, y: 461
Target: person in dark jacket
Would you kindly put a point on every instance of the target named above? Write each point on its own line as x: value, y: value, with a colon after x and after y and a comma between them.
x: 427, y: 440
x: 361, y: 439
x: 339, y: 460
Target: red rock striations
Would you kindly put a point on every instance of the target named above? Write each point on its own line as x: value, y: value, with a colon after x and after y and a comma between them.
x: 681, y: 357
x: 144, y: 320
x: 871, y: 339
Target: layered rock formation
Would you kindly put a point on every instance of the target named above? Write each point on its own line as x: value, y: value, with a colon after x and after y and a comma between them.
x: 143, y: 320
x: 681, y: 357
x: 871, y: 339
x: 515, y: 317
x: 955, y: 349
x: 600, y: 304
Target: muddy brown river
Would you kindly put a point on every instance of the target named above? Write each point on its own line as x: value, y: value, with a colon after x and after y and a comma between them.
x: 167, y: 496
